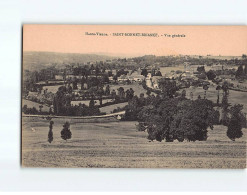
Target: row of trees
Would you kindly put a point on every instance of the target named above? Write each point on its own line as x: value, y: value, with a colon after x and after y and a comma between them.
x: 62, y: 101
x: 241, y: 72
x: 178, y: 119
x: 154, y: 72
x: 171, y: 118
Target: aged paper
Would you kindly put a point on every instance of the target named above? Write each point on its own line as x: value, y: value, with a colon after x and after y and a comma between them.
x: 112, y: 96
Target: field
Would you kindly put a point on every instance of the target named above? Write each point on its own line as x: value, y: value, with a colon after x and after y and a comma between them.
x: 235, y: 97
x: 138, y: 89
x: 118, y: 144
x: 31, y: 104
x: 109, y: 109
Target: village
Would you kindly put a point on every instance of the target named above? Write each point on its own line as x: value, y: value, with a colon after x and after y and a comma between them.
x: 109, y: 85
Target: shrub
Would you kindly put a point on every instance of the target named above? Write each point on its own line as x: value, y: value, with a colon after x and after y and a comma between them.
x: 235, y: 127
x: 66, y: 133
x: 50, y: 134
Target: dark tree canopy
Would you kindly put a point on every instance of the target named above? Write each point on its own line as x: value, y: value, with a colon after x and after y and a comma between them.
x: 211, y: 75
x: 50, y: 133
x: 144, y: 72
x: 66, y: 133
x: 178, y: 119
x: 168, y: 87
x: 201, y: 69
x: 240, y: 72
x: 235, y: 127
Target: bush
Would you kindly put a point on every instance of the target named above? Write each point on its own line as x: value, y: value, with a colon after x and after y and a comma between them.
x: 66, y: 133
x: 211, y: 75
x: 27, y: 110
x: 216, y: 117
x: 50, y: 134
x: 140, y: 127
x: 235, y: 125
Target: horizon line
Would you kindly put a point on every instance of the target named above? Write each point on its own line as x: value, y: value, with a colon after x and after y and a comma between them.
x: 140, y: 55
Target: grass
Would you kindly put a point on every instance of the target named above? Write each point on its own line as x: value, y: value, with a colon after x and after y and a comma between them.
x: 138, y: 89
x: 31, y: 104
x: 109, y: 109
x: 118, y: 144
x: 235, y: 97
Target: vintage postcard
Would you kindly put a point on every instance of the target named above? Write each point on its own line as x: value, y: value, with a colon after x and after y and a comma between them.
x: 134, y: 96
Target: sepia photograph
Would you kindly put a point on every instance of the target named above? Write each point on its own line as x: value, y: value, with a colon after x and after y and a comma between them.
x: 133, y: 96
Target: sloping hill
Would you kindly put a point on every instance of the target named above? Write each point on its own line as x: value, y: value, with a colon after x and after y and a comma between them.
x: 39, y: 60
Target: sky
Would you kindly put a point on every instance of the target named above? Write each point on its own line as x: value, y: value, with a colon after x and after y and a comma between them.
x: 198, y: 40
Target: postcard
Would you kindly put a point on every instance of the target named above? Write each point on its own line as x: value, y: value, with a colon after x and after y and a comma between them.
x: 134, y: 96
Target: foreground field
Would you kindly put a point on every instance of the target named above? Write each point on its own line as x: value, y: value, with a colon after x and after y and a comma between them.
x: 118, y: 144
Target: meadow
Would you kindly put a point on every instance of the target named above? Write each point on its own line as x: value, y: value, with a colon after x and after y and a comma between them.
x: 235, y: 97
x: 120, y: 145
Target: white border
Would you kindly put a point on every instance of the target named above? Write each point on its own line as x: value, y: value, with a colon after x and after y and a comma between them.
x: 14, y: 13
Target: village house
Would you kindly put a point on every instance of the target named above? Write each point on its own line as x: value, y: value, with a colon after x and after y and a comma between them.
x: 58, y: 77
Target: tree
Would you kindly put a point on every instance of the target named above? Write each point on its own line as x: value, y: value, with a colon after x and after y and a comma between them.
x: 100, y: 93
x: 97, y: 71
x: 201, y: 69
x: 110, y: 74
x: 218, y: 88
x: 115, y: 78
x: 142, y: 100
x: 61, y: 100
x: 105, y: 79
x: 94, y: 82
x: 225, y: 88
x: 193, y: 119
x: 178, y: 119
x: 211, y: 75
x: 40, y: 108
x: 183, y: 95
x: 74, y: 83
x: 158, y: 74
x: 216, y: 116
x: 66, y: 133
x: 202, y: 76
x: 225, y: 105
x: 107, y: 90
x: 50, y: 110
x: 235, y: 128
x: 50, y: 133
x: 140, y: 127
x: 144, y: 72
x: 91, y: 103
x: 132, y: 93
x: 121, y: 92
x: 205, y: 87
x: 148, y: 92
x: 239, y: 72
x: 168, y: 87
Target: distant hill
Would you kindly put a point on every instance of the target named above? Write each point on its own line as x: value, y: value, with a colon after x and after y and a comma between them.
x: 38, y: 60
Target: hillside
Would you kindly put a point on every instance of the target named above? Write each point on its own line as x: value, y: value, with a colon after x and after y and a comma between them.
x: 38, y: 60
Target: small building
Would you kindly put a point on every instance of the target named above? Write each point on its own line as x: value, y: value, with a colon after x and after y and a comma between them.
x: 110, y: 78
x: 58, y: 77
x: 123, y: 78
x: 138, y: 78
